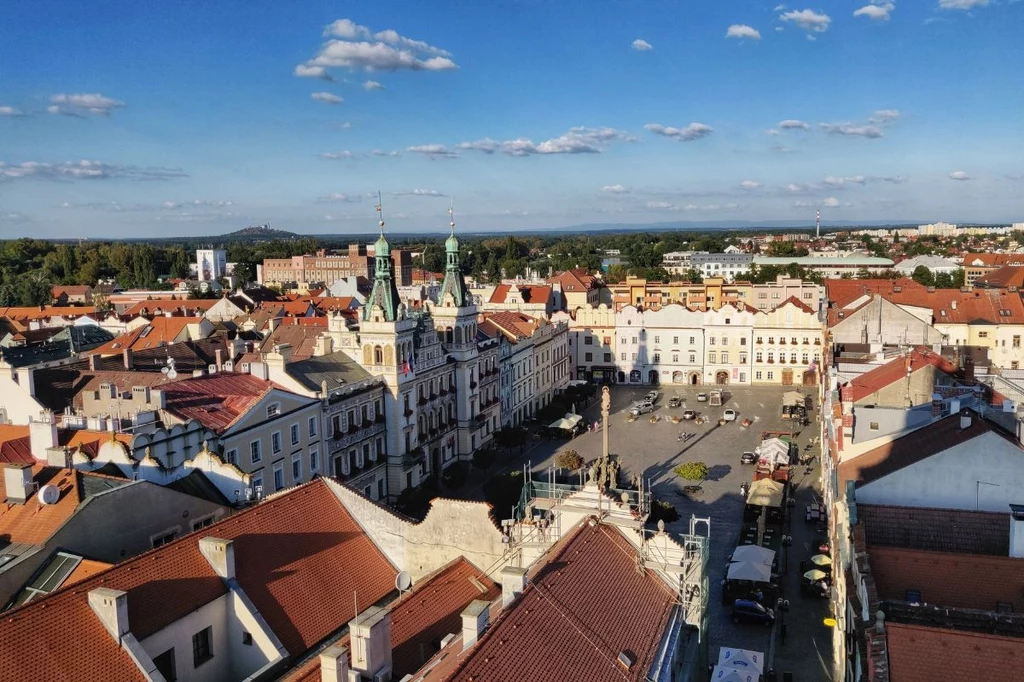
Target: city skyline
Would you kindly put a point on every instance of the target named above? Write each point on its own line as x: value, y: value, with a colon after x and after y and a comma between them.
x: 150, y: 121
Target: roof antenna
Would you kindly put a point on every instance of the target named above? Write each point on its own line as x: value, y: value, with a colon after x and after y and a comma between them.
x: 380, y: 213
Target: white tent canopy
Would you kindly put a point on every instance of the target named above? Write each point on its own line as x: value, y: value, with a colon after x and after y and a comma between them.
x: 793, y: 398
x: 773, y: 452
x: 742, y: 659
x: 754, y: 553
x: 727, y: 674
x: 749, y: 570
x: 766, y: 493
x: 568, y: 422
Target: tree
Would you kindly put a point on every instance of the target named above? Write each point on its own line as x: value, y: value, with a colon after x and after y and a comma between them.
x: 692, y: 471
x: 569, y: 459
x: 245, y: 271
x: 922, y: 275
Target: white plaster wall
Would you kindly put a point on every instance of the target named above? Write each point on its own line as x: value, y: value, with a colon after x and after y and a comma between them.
x: 950, y: 479
x: 247, y: 659
x: 179, y: 635
x: 15, y: 400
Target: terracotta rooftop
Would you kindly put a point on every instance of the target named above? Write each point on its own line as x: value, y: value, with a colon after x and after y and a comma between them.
x: 44, y: 312
x: 993, y: 260
x: 937, y: 530
x: 869, y: 383
x: 924, y: 654
x: 423, y: 617
x: 299, y: 557
x: 71, y: 289
x: 1006, y: 276
x: 530, y: 293
x: 514, y: 325
x: 15, y: 447
x: 795, y: 301
x: 160, y: 331
x: 574, y: 280
x: 33, y: 523
x: 216, y: 401
x: 585, y: 606
x: 912, y: 448
x: 948, y: 306
x: 184, y: 307
x: 944, y: 579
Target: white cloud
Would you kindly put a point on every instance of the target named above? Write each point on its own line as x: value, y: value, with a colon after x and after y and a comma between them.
x: 381, y: 152
x: 743, y: 31
x: 793, y: 124
x: 326, y: 98
x: 781, y: 149
x: 771, y: 131
x: 434, y: 151
x: 372, y: 85
x: 579, y: 140
x: 9, y: 112
x: 876, y: 11
x: 750, y: 185
x: 831, y: 202
x: 615, y: 189
x: 305, y: 71
x: 959, y: 175
x: 334, y: 156
x: 641, y: 45
x: 779, y: 8
x: 85, y: 170
x: 659, y: 205
x: 83, y: 104
x: 694, y: 131
x: 962, y: 4
x: 851, y: 130
x: 339, y: 198
x: 811, y: 38
x: 884, y: 116
x: 420, y: 193
x: 808, y: 20
x: 839, y: 183
x: 346, y: 125
x: 356, y: 48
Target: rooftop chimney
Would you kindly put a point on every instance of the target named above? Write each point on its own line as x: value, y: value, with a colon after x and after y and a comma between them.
x: 42, y: 435
x: 474, y: 622
x: 129, y: 359
x: 513, y: 582
x: 94, y: 362
x: 334, y: 664
x: 111, y: 607
x: 221, y: 555
x: 18, y: 481
x: 965, y: 420
x: 370, y: 639
x: 218, y: 355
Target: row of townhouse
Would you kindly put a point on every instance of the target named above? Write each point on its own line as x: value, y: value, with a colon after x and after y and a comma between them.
x: 673, y: 344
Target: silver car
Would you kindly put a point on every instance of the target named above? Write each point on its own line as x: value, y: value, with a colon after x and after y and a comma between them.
x: 642, y: 408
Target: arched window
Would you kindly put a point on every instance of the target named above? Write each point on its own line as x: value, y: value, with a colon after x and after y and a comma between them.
x: 458, y: 335
x: 447, y: 334
x: 378, y: 355
x: 451, y: 412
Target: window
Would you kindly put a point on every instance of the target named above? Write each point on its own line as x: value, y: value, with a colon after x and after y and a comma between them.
x: 255, y: 452
x: 693, y: 358
x: 691, y: 340
x: 675, y: 357
x: 758, y: 357
x: 806, y: 358
x: 202, y: 523
x: 202, y: 647
x: 634, y: 340
x: 273, y: 410
x: 380, y: 488
x: 314, y: 463
x: 278, y: 476
x: 296, y: 468
x: 295, y: 434
x: 607, y: 357
x: 246, y: 638
x: 712, y: 357
x: 743, y: 358
x: 657, y: 357
x: 657, y: 339
x: 759, y: 340
x: 161, y: 540
x: 725, y: 358
x: 873, y: 426
x: 1016, y: 342
x: 588, y: 340
x: 588, y: 357
x: 275, y: 442
x: 771, y: 340
x: 771, y: 376
x: 725, y: 341
x: 711, y: 340
x: 743, y: 341
x: 165, y: 665
x: 982, y: 335
x: 757, y: 376
x: 634, y: 357
x: 257, y: 482
x: 675, y: 340
x: 231, y: 456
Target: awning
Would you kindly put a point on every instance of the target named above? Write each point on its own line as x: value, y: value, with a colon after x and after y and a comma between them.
x: 814, y: 575
x: 773, y: 452
x: 821, y: 560
x: 754, y: 553
x: 742, y: 659
x: 568, y: 422
x: 766, y: 493
x: 793, y: 398
x: 749, y: 570
x: 727, y: 674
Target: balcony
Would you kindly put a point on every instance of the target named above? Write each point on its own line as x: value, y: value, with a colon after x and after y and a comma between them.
x: 369, y: 430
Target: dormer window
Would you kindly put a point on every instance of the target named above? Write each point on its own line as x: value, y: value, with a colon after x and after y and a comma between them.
x: 273, y: 410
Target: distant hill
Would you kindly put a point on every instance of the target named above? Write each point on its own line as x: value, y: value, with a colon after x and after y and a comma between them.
x: 259, y: 232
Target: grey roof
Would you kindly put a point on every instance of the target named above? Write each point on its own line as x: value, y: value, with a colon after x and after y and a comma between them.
x: 337, y: 369
x: 198, y: 485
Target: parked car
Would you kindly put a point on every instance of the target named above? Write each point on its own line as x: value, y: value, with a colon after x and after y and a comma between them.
x: 702, y: 397
x: 689, y: 414
x: 748, y: 458
x: 652, y: 396
x: 729, y: 415
x: 752, y: 612
x: 642, y: 408
x: 675, y: 401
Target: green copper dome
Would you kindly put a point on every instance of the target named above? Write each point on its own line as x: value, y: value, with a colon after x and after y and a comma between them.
x: 381, y: 246
x: 451, y: 244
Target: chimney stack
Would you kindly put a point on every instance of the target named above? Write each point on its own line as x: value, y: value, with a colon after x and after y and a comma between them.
x: 42, y: 435
x: 513, y: 582
x: 94, y: 362
x: 474, y: 622
x: 221, y: 555
x: 18, y: 481
x: 129, y: 359
x: 111, y: 607
x: 965, y: 420
x: 218, y: 355
x: 370, y: 640
x: 334, y: 664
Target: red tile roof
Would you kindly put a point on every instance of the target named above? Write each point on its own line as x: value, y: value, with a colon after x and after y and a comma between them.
x: 514, y: 325
x: 912, y: 448
x: 946, y: 579
x: 160, y: 331
x: 584, y: 607
x: 1006, y: 276
x: 950, y: 306
x: 163, y: 306
x: 865, y: 385
x: 15, y: 446
x: 992, y: 260
x: 938, y: 530
x: 574, y: 280
x: 216, y: 401
x: 33, y: 523
x: 44, y: 312
x: 923, y: 654
x: 423, y: 617
x: 299, y: 557
x: 530, y: 293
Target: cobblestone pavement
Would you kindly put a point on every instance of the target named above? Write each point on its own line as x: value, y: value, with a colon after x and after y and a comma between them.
x: 653, y: 450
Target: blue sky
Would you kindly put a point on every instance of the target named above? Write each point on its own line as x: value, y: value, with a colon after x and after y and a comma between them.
x: 142, y: 118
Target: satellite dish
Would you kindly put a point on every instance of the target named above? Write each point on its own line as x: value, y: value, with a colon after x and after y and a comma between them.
x: 165, y: 370
x: 48, y: 494
x: 403, y: 581
x: 172, y: 374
